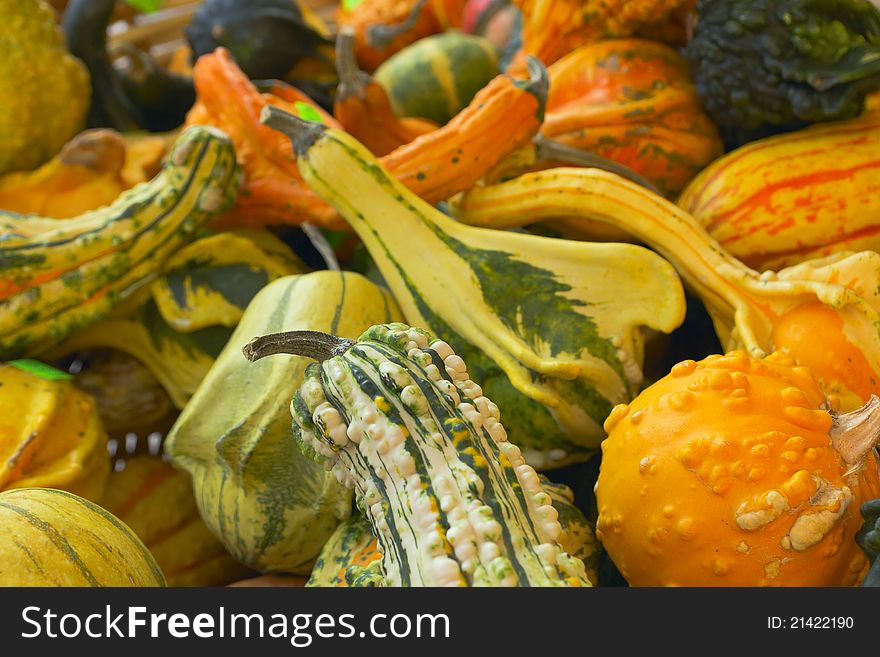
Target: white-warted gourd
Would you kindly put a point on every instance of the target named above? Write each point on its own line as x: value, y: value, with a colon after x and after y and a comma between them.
x: 452, y: 502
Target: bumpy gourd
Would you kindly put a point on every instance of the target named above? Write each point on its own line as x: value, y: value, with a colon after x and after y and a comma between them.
x: 50, y: 432
x: 732, y: 472
x: 54, y: 538
x: 550, y: 327
x: 272, y: 507
x: 451, y: 501
x: 785, y: 199
x: 59, y: 275
x: 824, y: 312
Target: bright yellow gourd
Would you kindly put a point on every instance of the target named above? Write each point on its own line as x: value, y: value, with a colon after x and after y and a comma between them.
x: 732, y: 472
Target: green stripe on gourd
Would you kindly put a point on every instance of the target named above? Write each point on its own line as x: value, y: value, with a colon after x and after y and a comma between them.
x: 552, y: 328
x: 351, y: 536
x: 450, y: 499
x: 272, y: 507
x: 436, y: 77
x: 58, y: 275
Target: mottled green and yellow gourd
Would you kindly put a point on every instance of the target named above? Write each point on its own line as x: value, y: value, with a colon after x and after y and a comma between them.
x: 551, y: 328
x: 452, y: 502
x: 272, y: 507
x: 59, y: 275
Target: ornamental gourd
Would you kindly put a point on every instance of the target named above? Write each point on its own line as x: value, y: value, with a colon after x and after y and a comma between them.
x: 552, y: 328
x: 632, y: 101
x: 50, y: 432
x: 271, y: 507
x: 785, y: 199
x: 833, y: 302
x: 54, y: 538
x: 732, y: 471
x: 451, y: 501
x: 59, y: 275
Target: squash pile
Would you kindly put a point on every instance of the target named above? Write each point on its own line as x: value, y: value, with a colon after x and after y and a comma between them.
x: 440, y: 293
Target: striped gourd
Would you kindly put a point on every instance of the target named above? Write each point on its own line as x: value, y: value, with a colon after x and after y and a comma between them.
x: 50, y: 432
x: 156, y: 502
x: 825, y: 312
x: 782, y: 200
x: 551, y: 328
x: 436, y: 77
x: 352, y: 546
x: 271, y: 507
x: 54, y: 538
x: 451, y: 501
x: 58, y: 275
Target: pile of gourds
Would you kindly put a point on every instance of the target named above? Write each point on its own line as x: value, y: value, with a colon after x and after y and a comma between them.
x: 446, y: 292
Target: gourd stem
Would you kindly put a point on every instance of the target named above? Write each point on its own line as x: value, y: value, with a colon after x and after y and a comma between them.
x: 302, y: 133
x: 855, y: 434
x: 311, y: 344
x: 548, y: 150
x: 380, y: 36
x: 322, y: 246
x: 352, y: 80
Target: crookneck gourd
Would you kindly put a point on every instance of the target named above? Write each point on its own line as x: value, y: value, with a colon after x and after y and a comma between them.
x: 59, y: 275
x: 732, y: 471
x: 50, y: 432
x: 632, y: 101
x: 177, y: 325
x: 363, y: 107
x: 395, y: 416
x: 272, y: 507
x: 352, y: 546
x: 784, y: 199
x: 824, y: 312
x: 551, y: 328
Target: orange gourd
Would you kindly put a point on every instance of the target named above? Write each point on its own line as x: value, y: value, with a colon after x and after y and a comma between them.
x: 384, y: 27
x: 363, y: 108
x: 732, y: 472
x: 632, y: 101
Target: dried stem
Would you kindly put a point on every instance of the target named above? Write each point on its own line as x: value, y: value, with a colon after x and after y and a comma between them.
x: 311, y: 344
x: 856, y: 433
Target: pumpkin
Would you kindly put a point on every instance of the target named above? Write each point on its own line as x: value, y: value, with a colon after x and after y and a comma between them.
x: 632, y: 101
x: 50, y: 432
x: 363, y: 108
x: 54, y: 538
x: 450, y: 500
x: 731, y: 471
x: 502, y: 117
x: 271, y: 507
x: 156, y: 502
x: 384, y: 27
x: 833, y: 301
x: 552, y: 328
x: 57, y: 275
x: 178, y: 325
x: 436, y: 77
x: 788, y: 198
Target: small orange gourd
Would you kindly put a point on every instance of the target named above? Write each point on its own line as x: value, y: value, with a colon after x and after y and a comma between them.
x: 732, y: 472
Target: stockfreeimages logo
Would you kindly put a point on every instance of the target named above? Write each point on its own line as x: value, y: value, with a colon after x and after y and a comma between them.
x: 299, y: 629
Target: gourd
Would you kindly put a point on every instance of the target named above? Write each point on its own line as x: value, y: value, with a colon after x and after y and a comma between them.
x: 731, y: 471
x: 502, y: 117
x: 436, y: 77
x: 54, y: 538
x: 550, y: 327
x: 449, y: 498
x: 788, y: 198
x: 868, y: 538
x: 59, y: 275
x: 363, y: 108
x: 50, y: 432
x: 632, y: 101
x: 156, y: 502
x: 270, y: 581
x: 177, y: 326
x: 270, y: 506
x: 833, y: 302
x: 383, y: 27
x: 352, y: 546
